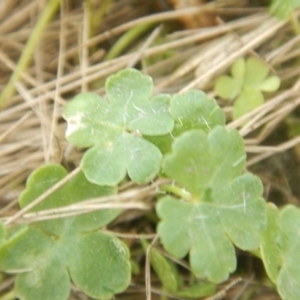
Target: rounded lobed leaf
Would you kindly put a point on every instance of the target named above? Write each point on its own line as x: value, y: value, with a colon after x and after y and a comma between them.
x: 75, y: 190
x: 31, y: 243
x: 288, y: 281
x: 227, y: 208
x: 242, y: 210
x: 128, y: 85
x: 109, y: 162
x: 271, y: 84
x: 248, y: 81
x: 193, y: 228
x: 86, y: 117
x: 280, y: 250
x: 44, y: 283
x: 194, y: 110
x: 238, y: 70
x: 106, y: 124
x: 49, y: 252
x: 99, y: 265
x: 35, y: 256
x: 249, y: 99
x: 198, y: 159
x: 173, y: 227
x: 270, y: 247
x: 256, y: 72
x: 227, y: 87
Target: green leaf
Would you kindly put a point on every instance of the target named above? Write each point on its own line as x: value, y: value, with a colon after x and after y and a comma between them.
x: 288, y: 281
x: 271, y: 84
x: 227, y: 87
x: 256, y: 72
x: 270, y: 244
x: 165, y: 270
x: 108, y: 162
x: 162, y: 142
x: 99, y: 265
x: 170, y: 278
x: 238, y: 70
x: 247, y: 84
x: 197, y: 290
x: 227, y: 207
x: 281, y: 9
x: 249, y: 99
x: 199, y: 160
x: 280, y: 250
x: 192, y: 110
x: 75, y: 190
x: 35, y: 256
x: 114, y: 128
x: 49, y: 254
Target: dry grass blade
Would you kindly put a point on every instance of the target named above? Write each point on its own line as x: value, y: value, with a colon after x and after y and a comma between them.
x: 42, y: 197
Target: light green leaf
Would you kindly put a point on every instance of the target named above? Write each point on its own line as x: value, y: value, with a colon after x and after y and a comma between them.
x: 271, y: 84
x: 288, y: 281
x: 30, y: 285
x: 280, y: 250
x: 114, y: 128
x: 238, y: 70
x: 170, y: 278
x: 99, y: 265
x: 270, y: 244
x: 246, y: 86
x: 165, y: 270
x: 227, y: 207
x: 256, y: 72
x: 35, y: 256
x: 162, y: 142
x: 49, y: 254
x: 227, y: 87
x: 126, y: 153
x: 282, y: 8
x: 197, y: 290
x: 198, y: 160
x: 75, y: 190
x: 192, y: 110
x: 198, y: 233
x: 249, y: 99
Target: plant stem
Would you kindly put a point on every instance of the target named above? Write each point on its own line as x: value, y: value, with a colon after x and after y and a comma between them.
x: 173, y: 189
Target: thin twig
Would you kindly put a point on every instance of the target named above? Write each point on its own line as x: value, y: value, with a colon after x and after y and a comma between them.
x: 147, y: 268
x: 42, y: 197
